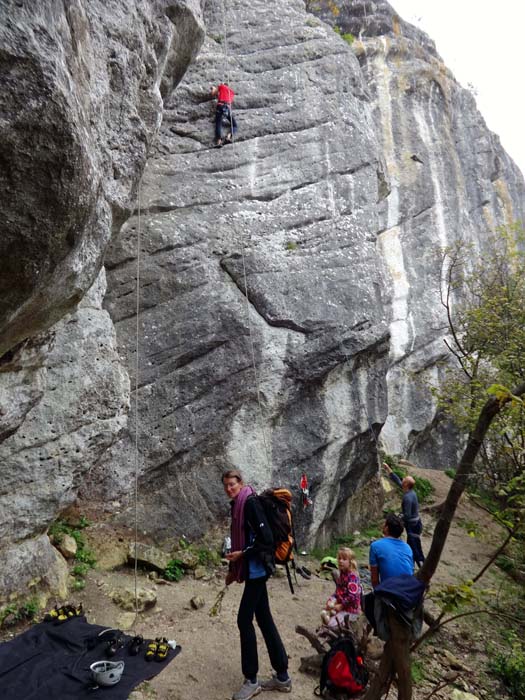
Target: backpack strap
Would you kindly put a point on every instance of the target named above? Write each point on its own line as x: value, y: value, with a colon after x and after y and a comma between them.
x: 289, y: 577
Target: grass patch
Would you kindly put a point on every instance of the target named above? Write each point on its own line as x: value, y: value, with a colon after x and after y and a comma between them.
x: 349, y: 38
x: 333, y: 548
x: 21, y: 613
x: 84, y: 556
x: 509, y: 666
x: 417, y: 671
x: 471, y: 526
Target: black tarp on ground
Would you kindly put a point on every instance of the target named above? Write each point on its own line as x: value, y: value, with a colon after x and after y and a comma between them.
x: 51, y: 662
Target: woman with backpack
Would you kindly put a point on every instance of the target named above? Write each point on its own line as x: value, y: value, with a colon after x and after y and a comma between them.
x: 252, y: 562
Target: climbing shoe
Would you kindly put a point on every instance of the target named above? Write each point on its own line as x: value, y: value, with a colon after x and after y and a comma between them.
x: 304, y: 572
x: 135, y: 644
x: 51, y: 615
x: 162, y: 650
x: 218, y: 143
x: 113, y: 645
x: 228, y: 139
x: 151, y: 650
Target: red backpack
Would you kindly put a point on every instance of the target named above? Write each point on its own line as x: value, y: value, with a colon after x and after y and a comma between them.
x: 343, y: 669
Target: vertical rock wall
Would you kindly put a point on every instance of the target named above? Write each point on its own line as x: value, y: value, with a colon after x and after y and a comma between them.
x: 265, y: 253
x: 290, y: 317
x: 449, y: 181
x: 80, y: 104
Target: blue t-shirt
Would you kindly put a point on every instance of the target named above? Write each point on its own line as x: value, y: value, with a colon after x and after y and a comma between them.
x: 392, y: 557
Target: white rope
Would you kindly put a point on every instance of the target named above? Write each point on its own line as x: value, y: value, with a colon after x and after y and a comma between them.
x: 243, y: 258
x: 137, y: 348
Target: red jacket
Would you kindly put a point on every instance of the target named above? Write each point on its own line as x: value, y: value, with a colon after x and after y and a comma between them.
x: 225, y: 94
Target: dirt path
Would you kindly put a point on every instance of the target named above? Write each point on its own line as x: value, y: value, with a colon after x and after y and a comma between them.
x: 209, y: 666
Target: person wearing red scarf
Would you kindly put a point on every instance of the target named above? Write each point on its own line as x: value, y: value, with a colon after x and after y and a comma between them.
x: 252, y: 562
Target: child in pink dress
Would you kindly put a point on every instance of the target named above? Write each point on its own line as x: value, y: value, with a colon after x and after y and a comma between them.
x: 348, y: 591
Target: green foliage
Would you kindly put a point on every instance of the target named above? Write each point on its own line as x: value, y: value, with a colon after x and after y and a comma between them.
x: 331, y: 551
x: 291, y: 245
x: 510, y: 667
x: 20, y: 613
x: 417, y: 671
x: 506, y: 564
x: 454, y: 596
x: 208, y: 557
x: 485, y: 303
x: 80, y: 570
x: 349, y: 38
x: 451, y: 473
x: 471, y: 526
x: 423, y: 487
x: 84, y: 556
x: 174, y: 570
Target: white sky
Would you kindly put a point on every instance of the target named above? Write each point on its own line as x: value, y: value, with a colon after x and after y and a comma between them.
x: 481, y: 41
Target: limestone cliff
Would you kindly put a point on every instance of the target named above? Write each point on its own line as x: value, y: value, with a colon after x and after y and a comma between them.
x: 79, y: 107
x: 290, y: 318
x: 309, y: 249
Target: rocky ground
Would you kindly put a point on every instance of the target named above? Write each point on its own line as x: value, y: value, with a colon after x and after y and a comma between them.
x: 209, y: 665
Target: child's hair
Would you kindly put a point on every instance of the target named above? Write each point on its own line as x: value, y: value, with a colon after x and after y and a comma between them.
x: 347, y: 553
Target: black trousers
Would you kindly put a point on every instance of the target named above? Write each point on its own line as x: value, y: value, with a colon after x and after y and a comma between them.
x: 414, y: 531
x: 255, y: 601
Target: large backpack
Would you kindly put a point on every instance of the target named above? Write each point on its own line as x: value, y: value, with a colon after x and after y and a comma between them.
x: 277, y: 504
x: 343, y: 670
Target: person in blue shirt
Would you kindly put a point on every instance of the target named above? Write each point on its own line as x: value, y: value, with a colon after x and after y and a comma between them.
x: 252, y: 562
x: 410, y: 508
x: 390, y: 556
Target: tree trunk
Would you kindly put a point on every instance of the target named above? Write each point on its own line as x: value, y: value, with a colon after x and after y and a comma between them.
x: 466, y: 466
x: 395, y: 660
x: 396, y: 655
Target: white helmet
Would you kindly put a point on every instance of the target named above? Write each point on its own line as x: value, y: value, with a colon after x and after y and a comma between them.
x: 107, y: 672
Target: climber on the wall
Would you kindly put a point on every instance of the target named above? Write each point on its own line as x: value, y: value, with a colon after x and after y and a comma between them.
x: 223, y: 112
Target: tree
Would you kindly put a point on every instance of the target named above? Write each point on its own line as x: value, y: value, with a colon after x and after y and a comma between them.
x: 485, y: 308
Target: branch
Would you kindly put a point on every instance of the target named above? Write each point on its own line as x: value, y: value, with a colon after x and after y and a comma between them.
x: 310, y: 636
x: 483, y: 611
x: 496, y: 554
x: 466, y: 466
x: 440, y: 686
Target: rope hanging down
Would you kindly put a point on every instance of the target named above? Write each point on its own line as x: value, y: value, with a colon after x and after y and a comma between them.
x: 137, y: 348
x: 243, y: 259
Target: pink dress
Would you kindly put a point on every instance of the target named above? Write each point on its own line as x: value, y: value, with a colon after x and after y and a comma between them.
x: 348, y: 592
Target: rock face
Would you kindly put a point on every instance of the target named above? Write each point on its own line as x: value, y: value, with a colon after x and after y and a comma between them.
x: 290, y: 318
x: 79, y: 105
x: 260, y: 254
x: 290, y: 284
x: 449, y: 180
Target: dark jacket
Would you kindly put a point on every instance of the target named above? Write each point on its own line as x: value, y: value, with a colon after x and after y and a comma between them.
x: 258, y: 536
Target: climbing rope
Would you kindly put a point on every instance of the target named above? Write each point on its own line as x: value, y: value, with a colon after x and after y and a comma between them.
x: 137, y: 349
x: 243, y: 260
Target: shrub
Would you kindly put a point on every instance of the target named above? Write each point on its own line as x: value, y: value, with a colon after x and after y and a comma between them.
x: 174, y: 570
x: 510, y: 667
